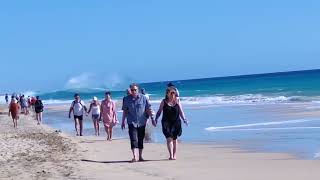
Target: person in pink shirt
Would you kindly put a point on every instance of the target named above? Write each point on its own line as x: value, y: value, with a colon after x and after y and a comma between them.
x: 109, y: 114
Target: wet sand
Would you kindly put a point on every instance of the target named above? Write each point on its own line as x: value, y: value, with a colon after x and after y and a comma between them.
x: 38, y: 152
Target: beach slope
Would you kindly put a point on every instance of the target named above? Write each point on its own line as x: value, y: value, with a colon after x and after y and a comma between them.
x: 38, y: 152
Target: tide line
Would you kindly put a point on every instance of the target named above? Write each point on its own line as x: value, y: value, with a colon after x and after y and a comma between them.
x: 260, y: 124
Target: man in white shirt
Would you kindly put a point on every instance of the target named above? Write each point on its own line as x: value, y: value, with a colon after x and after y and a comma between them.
x: 78, y: 108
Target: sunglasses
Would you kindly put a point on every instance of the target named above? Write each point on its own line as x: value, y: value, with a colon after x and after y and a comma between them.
x: 134, y: 89
x: 172, y: 93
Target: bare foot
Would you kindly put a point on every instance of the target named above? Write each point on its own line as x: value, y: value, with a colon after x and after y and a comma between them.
x: 133, y: 160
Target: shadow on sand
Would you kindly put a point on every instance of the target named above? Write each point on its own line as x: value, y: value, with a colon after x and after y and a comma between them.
x: 119, y: 162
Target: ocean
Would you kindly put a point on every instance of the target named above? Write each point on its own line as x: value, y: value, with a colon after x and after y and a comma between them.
x: 299, y: 86
x: 276, y: 112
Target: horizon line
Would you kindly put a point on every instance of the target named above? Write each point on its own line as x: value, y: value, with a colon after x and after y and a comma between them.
x: 233, y: 76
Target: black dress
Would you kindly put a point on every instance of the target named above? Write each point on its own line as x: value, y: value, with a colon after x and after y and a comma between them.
x: 171, y: 122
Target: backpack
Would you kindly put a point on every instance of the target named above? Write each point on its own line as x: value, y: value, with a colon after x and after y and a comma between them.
x: 74, y: 102
x: 38, y: 104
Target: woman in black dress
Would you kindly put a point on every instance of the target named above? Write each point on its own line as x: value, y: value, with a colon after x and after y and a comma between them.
x: 171, y: 120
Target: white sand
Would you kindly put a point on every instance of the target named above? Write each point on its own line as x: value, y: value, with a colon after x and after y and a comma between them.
x: 37, y: 152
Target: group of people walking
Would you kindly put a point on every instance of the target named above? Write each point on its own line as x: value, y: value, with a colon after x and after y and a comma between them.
x: 136, y: 113
x: 19, y: 104
x: 104, y: 111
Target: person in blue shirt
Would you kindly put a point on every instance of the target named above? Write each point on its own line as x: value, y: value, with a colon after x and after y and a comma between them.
x: 136, y: 110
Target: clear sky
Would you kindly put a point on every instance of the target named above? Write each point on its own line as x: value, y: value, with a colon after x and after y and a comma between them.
x: 76, y: 43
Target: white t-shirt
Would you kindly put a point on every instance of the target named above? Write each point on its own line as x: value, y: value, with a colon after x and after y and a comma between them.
x: 78, y: 108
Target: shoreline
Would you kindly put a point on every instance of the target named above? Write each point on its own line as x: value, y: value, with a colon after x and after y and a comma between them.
x: 291, y: 111
x: 61, y: 156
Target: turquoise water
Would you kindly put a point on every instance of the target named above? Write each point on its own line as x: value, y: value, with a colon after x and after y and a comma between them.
x: 256, y: 112
x: 275, y: 87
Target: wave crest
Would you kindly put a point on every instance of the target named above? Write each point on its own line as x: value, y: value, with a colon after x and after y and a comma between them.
x: 243, y: 99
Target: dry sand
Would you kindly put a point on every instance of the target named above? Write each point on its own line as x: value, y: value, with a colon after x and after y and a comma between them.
x: 38, y: 152
x: 34, y: 152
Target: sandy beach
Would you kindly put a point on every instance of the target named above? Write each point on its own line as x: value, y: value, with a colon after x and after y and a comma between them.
x: 39, y: 152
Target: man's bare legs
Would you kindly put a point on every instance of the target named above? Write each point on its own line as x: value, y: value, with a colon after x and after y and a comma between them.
x: 76, y: 122
x: 81, y: 126
x: 134, y: 154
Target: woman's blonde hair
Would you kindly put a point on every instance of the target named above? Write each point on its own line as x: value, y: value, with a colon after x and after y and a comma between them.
x: 168, y: 90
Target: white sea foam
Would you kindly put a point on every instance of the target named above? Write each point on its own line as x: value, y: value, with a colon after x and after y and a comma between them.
x: 316, y: 155
x: 267, y: 129
x: 2, y: 100
x: 259, y: 124
x: 246, y: 99
x: 54, y: 101
x: 29, y: 93
x: 240, y: 99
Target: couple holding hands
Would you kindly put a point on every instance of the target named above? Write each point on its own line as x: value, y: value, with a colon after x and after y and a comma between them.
x: 135, y: 106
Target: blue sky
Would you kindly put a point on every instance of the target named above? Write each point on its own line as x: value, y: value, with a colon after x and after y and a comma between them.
x: 63, y: 44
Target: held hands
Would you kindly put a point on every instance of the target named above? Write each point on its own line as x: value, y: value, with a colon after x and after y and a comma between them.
x: 186, y: 122
x: 123, y: 126
x: 154, y: 122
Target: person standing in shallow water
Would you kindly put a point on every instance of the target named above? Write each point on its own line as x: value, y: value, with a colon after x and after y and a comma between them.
x: 171, y: 120
x: 136, y: 109
x: 7, y: 98
x: 109, y: 114
x: 78, y: 108
x: 14, y: 111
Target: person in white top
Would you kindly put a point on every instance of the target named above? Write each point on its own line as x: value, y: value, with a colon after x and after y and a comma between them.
x: 95, y: 111
x: 78, y: 108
